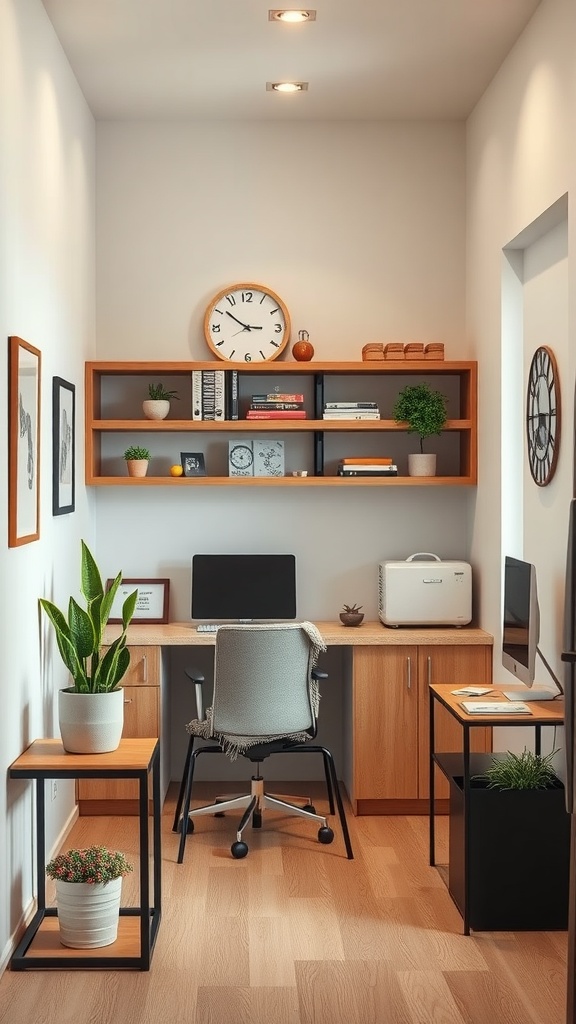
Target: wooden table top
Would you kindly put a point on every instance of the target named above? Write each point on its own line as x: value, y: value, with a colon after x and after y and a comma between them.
x: 543, y: 712
x: 49, y: 755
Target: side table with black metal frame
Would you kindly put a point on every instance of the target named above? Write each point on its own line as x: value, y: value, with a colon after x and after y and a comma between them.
x: 547, y: 713
x: 138, y: 926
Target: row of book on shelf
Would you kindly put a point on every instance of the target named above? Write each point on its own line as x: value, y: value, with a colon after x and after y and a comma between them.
x: 215, y: 397
x: 367, y: 466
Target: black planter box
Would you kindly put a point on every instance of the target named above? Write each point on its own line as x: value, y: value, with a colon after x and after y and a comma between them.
x: 519, y: 857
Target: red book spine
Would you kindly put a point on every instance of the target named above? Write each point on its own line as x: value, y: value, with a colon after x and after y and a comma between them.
x: 276, y: 414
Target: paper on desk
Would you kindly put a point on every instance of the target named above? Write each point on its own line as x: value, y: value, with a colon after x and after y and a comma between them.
x: 471, y: 691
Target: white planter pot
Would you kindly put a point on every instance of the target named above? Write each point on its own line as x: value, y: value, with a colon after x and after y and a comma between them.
x: 421, y: 465
x: 156, y: 409
x: 88, y: 914
x: 91, y: 723
x: 137, y: 467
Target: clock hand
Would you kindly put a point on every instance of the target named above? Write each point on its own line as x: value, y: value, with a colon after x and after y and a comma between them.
x: 245, y: 327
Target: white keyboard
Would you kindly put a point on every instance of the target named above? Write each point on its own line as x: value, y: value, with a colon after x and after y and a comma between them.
x: 207, y: 627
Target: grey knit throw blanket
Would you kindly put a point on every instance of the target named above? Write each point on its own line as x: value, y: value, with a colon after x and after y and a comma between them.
x: 235, y: 745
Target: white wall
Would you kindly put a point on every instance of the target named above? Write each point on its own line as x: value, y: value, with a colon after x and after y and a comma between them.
x: 359, y: 227
x: 47, y: 298
x: 521, y: 162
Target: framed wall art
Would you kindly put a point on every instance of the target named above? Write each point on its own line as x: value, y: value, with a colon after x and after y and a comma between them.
x: 63, y: 446
x: 193, y: 463
x: 152, y: 603
x: 24, y: 366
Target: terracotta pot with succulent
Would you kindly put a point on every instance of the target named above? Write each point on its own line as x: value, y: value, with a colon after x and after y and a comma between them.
x: 351, y: 615
x: 425, y: 413
x: 137, y: 460
x: 88, y: 891
x: 157, y: 405
x: 91, y: 711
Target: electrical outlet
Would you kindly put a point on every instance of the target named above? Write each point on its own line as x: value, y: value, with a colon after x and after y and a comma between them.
x: 54, y: 789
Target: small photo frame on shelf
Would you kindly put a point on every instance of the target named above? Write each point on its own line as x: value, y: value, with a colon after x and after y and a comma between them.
x: 193, y: 463
x: 24, y: 362
x: 63, y: 446
x: 152, y: 603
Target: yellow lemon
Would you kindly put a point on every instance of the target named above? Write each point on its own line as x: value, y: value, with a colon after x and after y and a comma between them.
x: 176, y: 470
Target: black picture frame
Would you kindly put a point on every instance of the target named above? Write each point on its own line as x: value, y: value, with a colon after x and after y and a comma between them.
x: 63, y: 447
x: 24, y: 372
x: 193, y: 463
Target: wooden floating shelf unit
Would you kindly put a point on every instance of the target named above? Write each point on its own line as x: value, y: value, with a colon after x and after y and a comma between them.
x: 115, y: 391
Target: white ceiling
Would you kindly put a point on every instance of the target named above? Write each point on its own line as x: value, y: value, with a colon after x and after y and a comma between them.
x: 363, y: 59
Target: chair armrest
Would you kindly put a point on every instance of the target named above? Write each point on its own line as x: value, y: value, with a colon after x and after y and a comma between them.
x: 316, y: 674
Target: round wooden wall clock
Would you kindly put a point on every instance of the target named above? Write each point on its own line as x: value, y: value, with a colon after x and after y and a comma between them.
x: 543, y: 415
x: 247, y: 323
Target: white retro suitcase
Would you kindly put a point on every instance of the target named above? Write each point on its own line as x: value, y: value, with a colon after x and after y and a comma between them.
x: 423, y: 590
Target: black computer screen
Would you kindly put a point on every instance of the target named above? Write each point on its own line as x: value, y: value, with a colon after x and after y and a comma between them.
x: 242, y: 587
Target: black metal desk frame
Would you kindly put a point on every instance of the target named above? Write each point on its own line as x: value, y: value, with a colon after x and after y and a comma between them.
x: 468, y: 722
x: 149, y: 914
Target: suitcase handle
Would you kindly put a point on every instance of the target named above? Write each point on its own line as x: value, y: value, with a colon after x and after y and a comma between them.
x: 423, y: 554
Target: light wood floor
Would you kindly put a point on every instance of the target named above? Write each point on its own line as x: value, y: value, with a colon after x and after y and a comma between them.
x: 297, y: 934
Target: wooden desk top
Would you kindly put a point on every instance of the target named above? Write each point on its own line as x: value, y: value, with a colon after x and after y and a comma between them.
x: 544, y: 712
x: 49, y: 755
x: 368, y: 634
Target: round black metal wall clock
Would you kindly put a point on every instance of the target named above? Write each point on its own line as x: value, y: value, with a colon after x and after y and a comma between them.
x: 543, y: 415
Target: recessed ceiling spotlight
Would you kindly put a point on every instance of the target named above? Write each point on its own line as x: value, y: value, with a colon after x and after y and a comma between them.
x: 294, y: 17
x: 286, y: 86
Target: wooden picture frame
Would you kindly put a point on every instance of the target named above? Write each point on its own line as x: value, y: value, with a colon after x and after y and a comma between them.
x: 193, y: 463
x: 153, y: 602
x: 24, y: 370
x: 63, y: 446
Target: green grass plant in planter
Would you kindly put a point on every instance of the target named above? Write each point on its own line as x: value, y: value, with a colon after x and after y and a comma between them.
x: 83, y: 707
x: 425, y: 413
x: 137, y: 459
x: 521, y: 771
x: 157, y: 405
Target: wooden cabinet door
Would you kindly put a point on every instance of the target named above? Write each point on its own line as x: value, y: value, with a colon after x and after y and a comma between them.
x: 463, y: 666
x: 385, y: 729
x: 141, y: 718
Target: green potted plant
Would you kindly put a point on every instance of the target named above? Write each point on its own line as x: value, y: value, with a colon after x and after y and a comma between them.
x: 425, y: 413
x: 91, y: 710
x: 88, y: 892
x: 137, y: 459
x: 157, y: 405
x: 519, y: 843
x: 351, y: 615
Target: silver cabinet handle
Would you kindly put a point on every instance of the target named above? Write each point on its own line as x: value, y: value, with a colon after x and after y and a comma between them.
x: 128, y: 700
x: 145, y: 668
x: 409, y: 673
x: 429, y: 670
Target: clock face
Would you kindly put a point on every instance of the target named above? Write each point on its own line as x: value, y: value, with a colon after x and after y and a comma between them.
x: 543, y: 416
x: 247, y: 323
x: 240, y: 459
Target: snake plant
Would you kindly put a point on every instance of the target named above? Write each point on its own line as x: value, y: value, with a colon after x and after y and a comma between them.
x: 79, y: 637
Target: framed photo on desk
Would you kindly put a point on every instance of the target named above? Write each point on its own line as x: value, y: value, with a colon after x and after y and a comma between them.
x: 152, y: 603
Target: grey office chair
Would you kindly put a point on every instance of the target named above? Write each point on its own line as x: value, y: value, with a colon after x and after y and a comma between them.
x: 265, y: 702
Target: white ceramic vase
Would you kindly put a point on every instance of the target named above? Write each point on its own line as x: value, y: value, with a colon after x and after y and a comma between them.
x: 421, y: 465
x: 90, y: 723
x: 156, y: 408
x: 88, y: 913
x: 137, y: 467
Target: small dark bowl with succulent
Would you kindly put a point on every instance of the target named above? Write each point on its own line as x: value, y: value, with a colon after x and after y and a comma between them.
x: 351, y: 614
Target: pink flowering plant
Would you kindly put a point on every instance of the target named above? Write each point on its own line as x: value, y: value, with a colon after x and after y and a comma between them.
x: 95, y: 864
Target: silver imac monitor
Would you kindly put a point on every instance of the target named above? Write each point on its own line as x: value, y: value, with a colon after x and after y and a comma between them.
x: 244, y: 588
x: 521, y: 630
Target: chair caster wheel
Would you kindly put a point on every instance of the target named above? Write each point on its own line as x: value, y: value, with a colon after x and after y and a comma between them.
x: 325, y: 835
x: 189, y: 826
x: 310, y: 808
x: 239, y: 850
x: 257, y: 819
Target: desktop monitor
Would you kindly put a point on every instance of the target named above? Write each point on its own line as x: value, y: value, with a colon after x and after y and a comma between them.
x: 244, y: 587
x: 521, y: 620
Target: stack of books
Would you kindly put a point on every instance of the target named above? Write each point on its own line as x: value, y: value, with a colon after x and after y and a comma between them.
x: 367, y: 466
x: 277, y: 406
x: 351, y: 411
